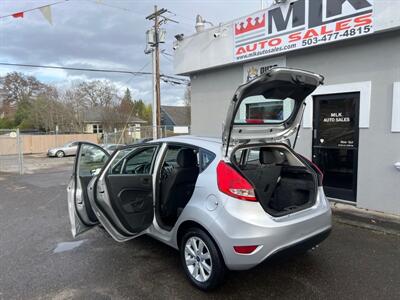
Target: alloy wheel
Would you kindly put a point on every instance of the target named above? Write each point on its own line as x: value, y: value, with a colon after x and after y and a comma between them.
x: 198, y: 259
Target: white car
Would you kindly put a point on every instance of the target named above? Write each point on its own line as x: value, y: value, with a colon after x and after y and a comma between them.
x: 227, y: 203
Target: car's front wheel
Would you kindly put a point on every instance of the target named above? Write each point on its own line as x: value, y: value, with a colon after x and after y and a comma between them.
x: 60, y: 154
x: 201, y: 259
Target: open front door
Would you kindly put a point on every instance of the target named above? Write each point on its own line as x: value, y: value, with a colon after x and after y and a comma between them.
x: 122, y: 195
x: 90, y: 158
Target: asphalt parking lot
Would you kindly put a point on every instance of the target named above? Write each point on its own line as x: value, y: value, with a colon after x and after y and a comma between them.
x: 39, y: 259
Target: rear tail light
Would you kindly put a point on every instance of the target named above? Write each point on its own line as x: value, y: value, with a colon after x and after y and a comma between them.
x: 233, y: 184
x: 245, y: 249
x: 316, y: 169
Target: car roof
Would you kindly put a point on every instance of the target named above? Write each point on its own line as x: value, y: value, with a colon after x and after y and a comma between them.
x: 209, y: 143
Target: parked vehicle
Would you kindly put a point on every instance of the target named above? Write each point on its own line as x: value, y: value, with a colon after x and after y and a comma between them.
x: 224, y: 204
x: 69, y: 149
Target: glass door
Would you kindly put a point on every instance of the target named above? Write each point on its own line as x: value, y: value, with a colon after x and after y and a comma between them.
x: 335, y: 143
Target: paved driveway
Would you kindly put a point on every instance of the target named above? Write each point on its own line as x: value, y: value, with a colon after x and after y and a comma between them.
x: 38, y: 260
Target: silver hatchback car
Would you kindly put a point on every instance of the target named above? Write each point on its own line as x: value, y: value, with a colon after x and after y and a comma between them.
x: 227, y: 203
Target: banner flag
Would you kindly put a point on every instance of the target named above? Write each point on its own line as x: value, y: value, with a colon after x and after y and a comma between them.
x: 18, y: 15
x: 46, y: 12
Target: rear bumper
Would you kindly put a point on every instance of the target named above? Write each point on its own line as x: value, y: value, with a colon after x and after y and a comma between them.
x: 301, y: 246
x: 244, y: 223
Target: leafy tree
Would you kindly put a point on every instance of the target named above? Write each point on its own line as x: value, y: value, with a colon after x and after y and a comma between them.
x: 6, y: 123
x: 17, y: 87
x: 18, y: 91
x: 126, y: 106
x: 22, y: 114
x: 148, y: 114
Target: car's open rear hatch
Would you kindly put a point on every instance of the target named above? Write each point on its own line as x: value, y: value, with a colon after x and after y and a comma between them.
x: 268, y: 108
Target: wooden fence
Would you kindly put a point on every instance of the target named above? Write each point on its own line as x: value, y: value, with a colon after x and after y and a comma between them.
x: 41, y: 143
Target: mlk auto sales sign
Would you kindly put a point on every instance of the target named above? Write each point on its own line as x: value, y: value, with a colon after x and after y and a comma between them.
x: 300, y: 24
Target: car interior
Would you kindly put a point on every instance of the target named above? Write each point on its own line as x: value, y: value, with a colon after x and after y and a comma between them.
x: 177, y: 178
x: 282, y: 183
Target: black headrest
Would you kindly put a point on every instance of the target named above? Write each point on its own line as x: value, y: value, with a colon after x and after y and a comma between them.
x: 186, y: 158
x: 271, y: 156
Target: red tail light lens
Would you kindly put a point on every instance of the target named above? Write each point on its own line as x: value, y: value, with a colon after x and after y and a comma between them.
x: 233, y: 184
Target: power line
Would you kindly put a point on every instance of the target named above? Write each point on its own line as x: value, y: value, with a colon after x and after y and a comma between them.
x: 134, y: 73
x: 74, y: 69
x: 32, y: 9
x: 114, y: 6
x: 166, y: 57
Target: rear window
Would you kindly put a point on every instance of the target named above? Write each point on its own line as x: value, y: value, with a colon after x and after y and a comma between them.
x: 206, y: 158
x: 260, y: 110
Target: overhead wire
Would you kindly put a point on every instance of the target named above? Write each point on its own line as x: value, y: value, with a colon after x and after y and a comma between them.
x: 135, y: 73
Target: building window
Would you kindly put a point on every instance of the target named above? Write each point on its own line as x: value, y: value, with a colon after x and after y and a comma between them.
x: 97, y: 128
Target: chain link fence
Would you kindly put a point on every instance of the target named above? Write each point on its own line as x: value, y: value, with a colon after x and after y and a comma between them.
x: 14, y: 144
x: 141, y: 134
x: 11, y: 151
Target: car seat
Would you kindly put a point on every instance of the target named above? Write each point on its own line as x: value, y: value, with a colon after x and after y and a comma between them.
x: 177, y: 188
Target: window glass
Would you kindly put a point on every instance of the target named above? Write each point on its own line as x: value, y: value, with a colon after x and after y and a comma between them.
x: 206, y: 157
x: 170, y: 160
x: 91, y: 160
x: 260, y: 110
x: 254, y: 156
x: 171, y: 156
x: 136, y: 161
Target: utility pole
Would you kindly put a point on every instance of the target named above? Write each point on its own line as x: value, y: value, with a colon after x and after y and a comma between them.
x: 155, y: 37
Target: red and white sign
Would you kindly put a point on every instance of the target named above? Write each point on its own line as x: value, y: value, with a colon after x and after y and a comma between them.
x: 301, y: 24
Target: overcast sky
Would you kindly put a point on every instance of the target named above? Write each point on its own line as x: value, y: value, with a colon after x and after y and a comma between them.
x: 90, y: 35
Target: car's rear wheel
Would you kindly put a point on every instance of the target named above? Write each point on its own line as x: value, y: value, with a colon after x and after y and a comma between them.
x: 201, y: 260
x: 60, y: 154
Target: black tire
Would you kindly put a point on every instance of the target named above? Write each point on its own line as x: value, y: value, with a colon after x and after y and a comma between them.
x: 60, y: 154
x: 218, y: 269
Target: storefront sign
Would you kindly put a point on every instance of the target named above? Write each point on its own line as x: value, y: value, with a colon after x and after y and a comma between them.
x: 257, y: 68
x: 301, y: 24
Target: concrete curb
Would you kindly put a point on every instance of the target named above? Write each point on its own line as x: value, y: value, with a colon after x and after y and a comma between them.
x: 364, y: 218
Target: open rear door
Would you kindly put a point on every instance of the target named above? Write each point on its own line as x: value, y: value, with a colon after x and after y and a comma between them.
x: 268, y: 108
x: 90, y: 158
x: 122, y: 195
